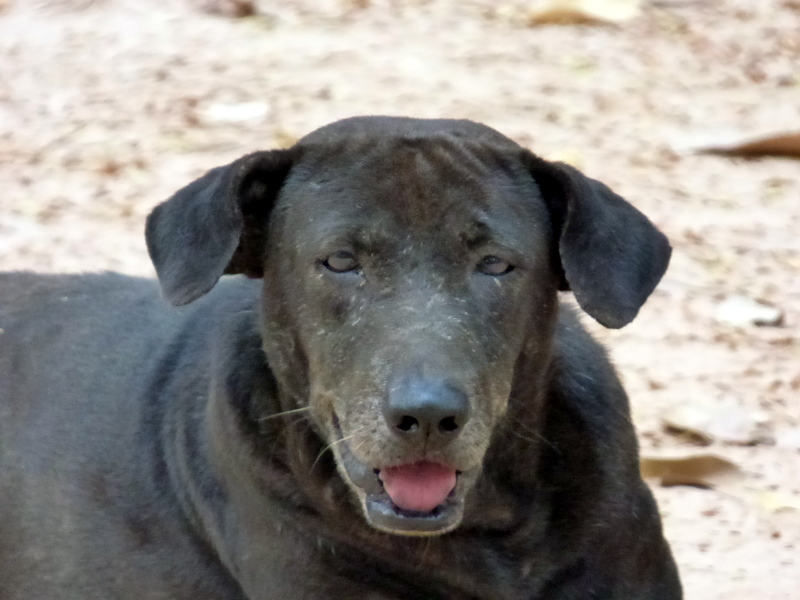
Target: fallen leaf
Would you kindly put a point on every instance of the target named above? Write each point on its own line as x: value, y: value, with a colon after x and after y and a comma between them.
x: 775, y: 144
x: 721, y: 421
x: 229, y: 8
x: 703, y: 470
x: 742, y: 311
x: 572, y: 12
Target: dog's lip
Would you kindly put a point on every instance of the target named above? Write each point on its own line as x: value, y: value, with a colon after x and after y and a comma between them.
x: 383, y: 513
x: 361, y: 475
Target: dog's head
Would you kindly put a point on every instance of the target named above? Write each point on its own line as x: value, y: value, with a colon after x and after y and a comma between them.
x: 410, y: 271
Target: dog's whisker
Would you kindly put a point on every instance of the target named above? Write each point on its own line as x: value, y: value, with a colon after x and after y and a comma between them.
x: 285, y: 413
x: 361, y: 443
x: 424, y: 554
x: 538, y: 436
x: 329, y: 447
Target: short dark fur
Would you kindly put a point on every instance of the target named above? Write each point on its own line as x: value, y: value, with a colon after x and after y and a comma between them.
x: 142, y: 453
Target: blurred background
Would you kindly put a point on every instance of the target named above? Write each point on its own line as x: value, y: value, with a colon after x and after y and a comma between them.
x: 688, y: 108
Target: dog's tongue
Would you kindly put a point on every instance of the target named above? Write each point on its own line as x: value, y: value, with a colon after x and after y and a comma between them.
x: 420, y: 487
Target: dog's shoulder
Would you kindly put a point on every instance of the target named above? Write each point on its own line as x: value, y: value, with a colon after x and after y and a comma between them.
x: 583, y: 374
x: 588, y: 413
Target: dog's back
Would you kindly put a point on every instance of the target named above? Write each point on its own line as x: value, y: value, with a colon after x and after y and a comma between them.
x: 85, y: 498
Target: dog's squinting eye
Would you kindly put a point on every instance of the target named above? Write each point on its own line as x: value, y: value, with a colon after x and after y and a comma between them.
x: 341, y: 262
x: 491, y: 265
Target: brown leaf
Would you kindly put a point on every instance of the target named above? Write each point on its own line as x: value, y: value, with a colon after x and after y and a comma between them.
x: 778, y: 144
x: 703, y: 470
x: 229, y: 8
x: 572, y: 12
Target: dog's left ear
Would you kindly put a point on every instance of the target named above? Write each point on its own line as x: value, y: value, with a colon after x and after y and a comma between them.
x: 612, y: 256
x: 215, y: 225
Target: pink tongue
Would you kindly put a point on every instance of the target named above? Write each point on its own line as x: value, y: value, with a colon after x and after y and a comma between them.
x: 420, y: 487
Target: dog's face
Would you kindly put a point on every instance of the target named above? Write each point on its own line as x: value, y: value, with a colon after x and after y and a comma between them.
x: 413, y: 272
x: 409, y: 269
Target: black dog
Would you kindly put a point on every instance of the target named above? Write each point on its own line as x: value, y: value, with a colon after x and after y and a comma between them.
x: 401, y: 410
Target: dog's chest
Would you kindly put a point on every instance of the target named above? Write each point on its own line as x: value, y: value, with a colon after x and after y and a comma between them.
x: 436, y: 569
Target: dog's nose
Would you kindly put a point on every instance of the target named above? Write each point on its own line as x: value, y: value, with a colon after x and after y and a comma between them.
x: 426, y: 408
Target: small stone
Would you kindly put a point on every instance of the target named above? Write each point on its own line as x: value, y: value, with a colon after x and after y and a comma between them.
x: 788, y: 438
x: 238, y: 112
x: 741, y: 311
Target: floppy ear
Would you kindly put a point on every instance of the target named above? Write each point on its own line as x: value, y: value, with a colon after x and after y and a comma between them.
x: 611, y: 254
x: 215, y: 225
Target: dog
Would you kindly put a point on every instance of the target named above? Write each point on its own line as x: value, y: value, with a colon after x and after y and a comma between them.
x: 392, y: 403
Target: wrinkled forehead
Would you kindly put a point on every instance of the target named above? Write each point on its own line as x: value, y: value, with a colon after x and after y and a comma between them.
x: 415, y: 186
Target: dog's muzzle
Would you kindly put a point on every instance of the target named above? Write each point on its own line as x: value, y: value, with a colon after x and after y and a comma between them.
x: 421, y: 498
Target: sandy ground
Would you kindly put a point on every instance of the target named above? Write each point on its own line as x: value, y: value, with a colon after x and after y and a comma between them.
x: 106, y: 107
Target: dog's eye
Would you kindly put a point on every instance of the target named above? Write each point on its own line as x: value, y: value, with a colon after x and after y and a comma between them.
x: 341, y: 262
x: 491, y: 265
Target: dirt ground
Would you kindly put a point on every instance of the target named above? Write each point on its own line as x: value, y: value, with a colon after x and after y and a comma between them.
x: 108, y: 106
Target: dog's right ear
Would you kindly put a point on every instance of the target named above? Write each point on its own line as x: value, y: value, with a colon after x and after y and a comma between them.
x: 216, y: 225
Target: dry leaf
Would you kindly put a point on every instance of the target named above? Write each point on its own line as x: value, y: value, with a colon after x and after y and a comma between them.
x: 229, y: 8
x: 714, y: 421
x: 570, y: 12
x: 703, y: 470
x: 778, y: 144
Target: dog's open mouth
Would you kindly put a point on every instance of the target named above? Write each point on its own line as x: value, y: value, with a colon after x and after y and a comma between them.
x: 415, y: 499
x: 419, y: 487
x: 420, y: 498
